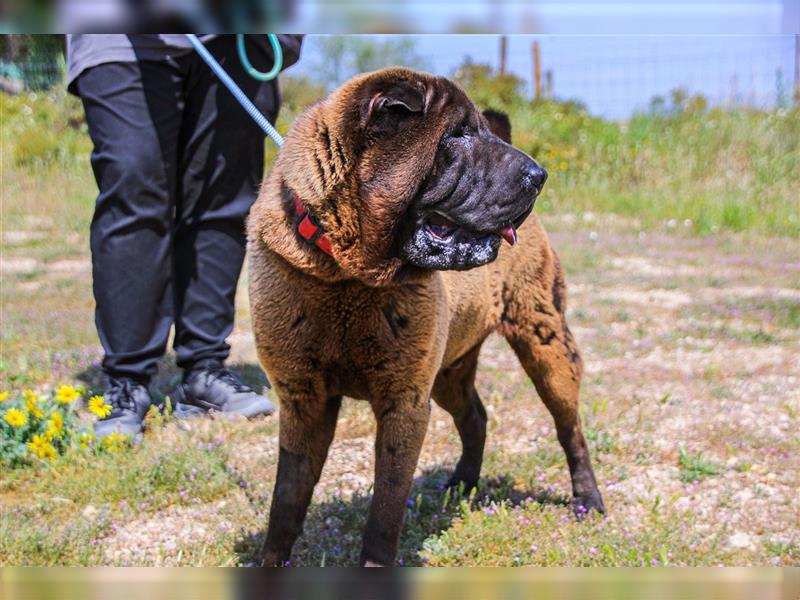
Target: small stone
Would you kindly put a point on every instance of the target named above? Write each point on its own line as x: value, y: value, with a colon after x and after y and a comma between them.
x: 740, y: 539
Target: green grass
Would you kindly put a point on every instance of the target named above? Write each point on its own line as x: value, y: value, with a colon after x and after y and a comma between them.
x: 68, y: 504
x: 157, y: 474
x: 694, y: 467
x: 51, y: 536
x: 541, y: 534
x: 790, y: 551
x: 601, y: 441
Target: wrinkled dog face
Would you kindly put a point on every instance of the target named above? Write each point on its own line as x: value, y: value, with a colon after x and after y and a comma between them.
x: 475, y: 189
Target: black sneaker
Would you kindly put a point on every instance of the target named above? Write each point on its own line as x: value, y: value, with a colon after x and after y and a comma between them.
x: 217, y: 388
x: 129, y: 400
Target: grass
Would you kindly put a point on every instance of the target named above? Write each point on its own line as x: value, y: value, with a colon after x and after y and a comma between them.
x: 70, y: 503
x: 695, y: 467
x: 540, y: 534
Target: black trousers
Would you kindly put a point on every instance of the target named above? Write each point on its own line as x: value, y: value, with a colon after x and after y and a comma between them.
x: 178, y: 163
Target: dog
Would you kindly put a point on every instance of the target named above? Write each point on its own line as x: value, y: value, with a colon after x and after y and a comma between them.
x: 376, y: 272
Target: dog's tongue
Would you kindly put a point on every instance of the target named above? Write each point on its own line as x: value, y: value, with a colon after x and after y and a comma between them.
x: 509, y: 234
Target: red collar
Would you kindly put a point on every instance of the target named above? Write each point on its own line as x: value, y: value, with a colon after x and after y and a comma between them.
x: 309, y: 228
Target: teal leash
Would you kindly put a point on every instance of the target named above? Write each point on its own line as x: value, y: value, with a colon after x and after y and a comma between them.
x: 277, y: 52
x: 237, y: 92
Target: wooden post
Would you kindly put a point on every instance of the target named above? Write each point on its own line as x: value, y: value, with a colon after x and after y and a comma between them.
x: 503, y: 51
x: 797, y: 69
x: 537, y: 71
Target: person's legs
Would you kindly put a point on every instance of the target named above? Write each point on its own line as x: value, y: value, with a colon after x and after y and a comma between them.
x: 222, y: 162
x: 135, y: 134
x: 221, y: 166
x: 133, y: 115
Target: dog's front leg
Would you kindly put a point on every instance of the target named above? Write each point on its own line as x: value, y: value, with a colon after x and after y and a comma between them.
x: 307, y: 426
x: 402, y: 422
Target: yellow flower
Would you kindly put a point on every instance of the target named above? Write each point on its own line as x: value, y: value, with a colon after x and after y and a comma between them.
x: 32, y: 404
x: 86, y: 439
x: 55, y: 426
x: 562, y: 165
x: 66, y: 394
x: 3, y: 396
x: 42, y: 448
x: 15, y: 417
x: 114, y: 442
x: 98, y: 406
x: 30, y: 395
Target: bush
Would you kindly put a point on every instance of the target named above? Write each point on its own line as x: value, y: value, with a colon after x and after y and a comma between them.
x: 43, y: 130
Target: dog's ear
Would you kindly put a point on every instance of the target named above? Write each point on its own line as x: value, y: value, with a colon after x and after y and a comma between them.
x: 388, y: 107
x: 499, y: 124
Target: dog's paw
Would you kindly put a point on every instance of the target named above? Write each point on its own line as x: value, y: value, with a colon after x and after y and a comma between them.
x: 463, y: 484
x: 369, y: 563
x: 585, y: 503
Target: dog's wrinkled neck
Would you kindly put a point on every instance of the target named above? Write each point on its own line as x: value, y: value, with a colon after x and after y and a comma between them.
x: 276, y: 224
x: 317, y: 164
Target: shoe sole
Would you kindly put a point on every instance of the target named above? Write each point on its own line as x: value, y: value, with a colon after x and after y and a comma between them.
x: 190, y: 411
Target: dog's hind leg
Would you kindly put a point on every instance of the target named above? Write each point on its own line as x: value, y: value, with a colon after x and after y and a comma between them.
x: 537, y: 331
x: 454, y: 390
x: 306, y: 431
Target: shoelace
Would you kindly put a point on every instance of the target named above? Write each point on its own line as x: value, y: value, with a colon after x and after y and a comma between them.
x: 228, y: 377
x: 120, y: 394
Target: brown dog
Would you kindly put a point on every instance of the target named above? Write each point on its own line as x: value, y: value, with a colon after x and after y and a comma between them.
x: 382, y: 192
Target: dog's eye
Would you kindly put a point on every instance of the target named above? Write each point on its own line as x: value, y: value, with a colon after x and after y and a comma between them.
x: 461, y: 131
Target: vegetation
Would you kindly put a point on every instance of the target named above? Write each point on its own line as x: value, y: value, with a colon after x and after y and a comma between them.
x: 695, y: 467
x: 35, y: 427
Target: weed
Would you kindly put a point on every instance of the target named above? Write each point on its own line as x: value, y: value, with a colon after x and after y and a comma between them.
x: 695, y: 467
x: 602, y: 441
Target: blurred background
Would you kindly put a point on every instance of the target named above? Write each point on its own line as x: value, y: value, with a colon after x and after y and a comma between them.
x: 613, y: 76
x: 414, y: 16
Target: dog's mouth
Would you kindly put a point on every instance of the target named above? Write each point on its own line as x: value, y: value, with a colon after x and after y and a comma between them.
x: 445, y: 230
x: 440, y: 241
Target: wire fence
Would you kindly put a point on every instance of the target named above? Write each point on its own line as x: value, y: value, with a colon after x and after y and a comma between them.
x: 616, y: 79
x: 614, y: 76
x: 32, y: 76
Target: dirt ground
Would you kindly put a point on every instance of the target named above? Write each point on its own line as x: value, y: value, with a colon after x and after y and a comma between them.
x: 688, y: 344
x: 691, y: 398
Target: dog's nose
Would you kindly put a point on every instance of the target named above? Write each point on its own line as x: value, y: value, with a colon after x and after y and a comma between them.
x: 534, y: 176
